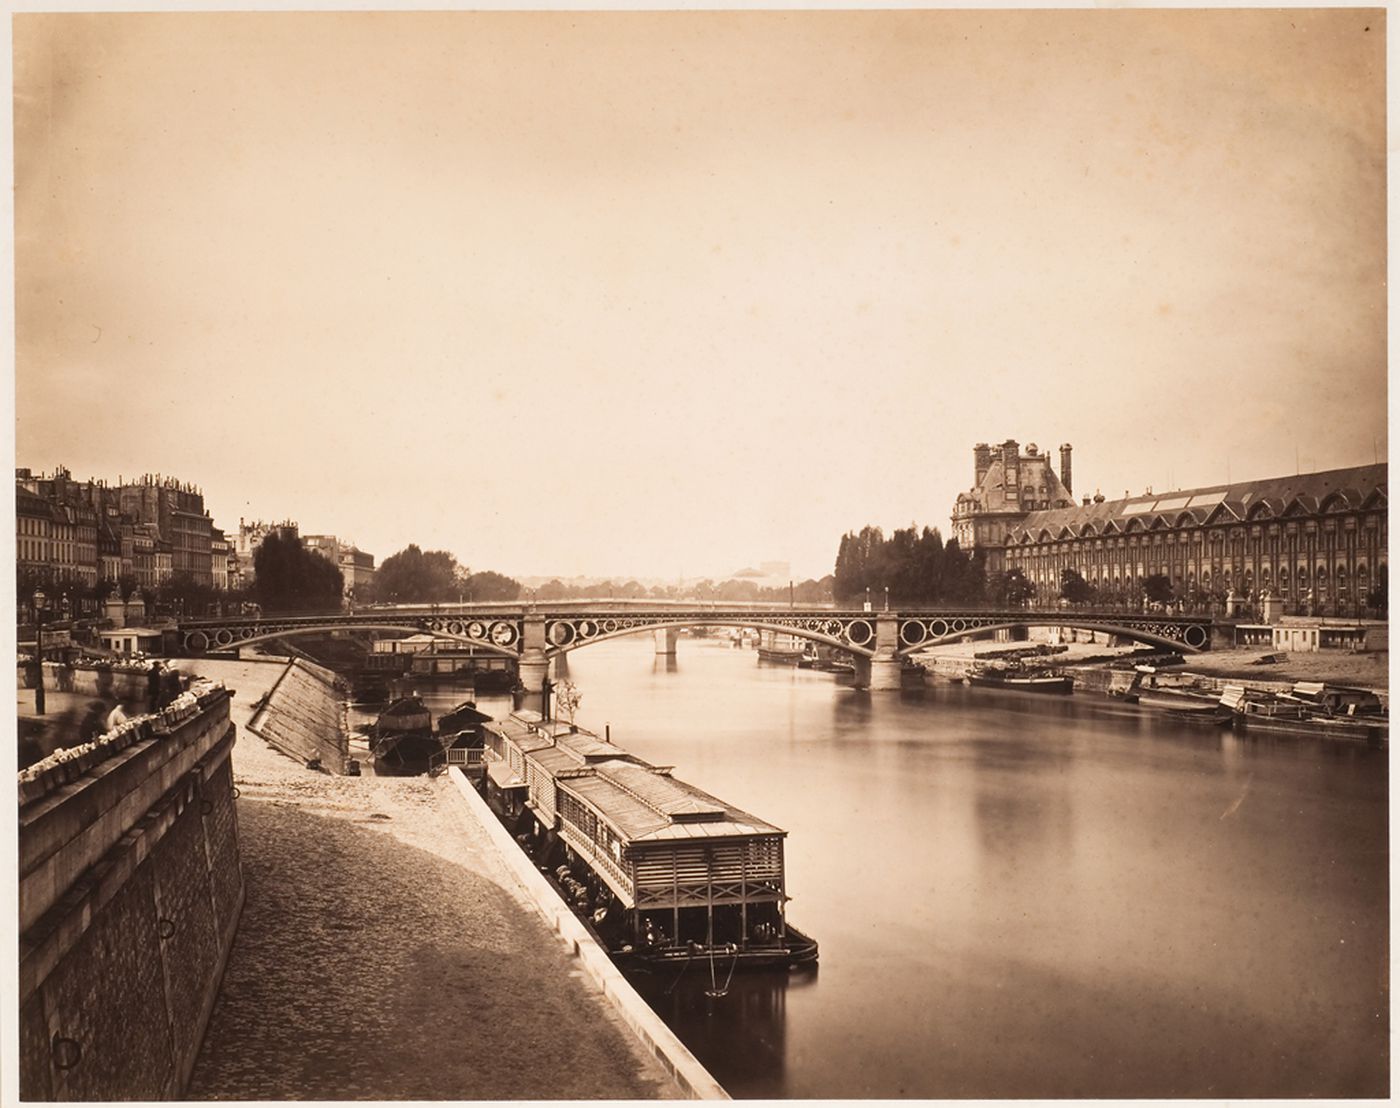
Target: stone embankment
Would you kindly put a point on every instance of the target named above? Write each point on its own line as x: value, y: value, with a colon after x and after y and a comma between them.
x: 386, y: 952
x: 129, y: 894
x: 303, y: 716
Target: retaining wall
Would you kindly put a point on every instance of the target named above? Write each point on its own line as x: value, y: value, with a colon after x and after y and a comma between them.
x: 303, y: 716
x: 692, y: 1079
x: 130, y: 893
x: 109, y: 682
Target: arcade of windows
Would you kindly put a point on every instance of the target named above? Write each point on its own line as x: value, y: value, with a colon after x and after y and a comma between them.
x: 1333, y: 557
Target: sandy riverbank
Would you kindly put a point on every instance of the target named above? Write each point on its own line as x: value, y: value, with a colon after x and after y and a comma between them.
x: 386, y: 953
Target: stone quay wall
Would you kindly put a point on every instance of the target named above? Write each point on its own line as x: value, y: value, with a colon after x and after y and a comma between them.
x: 303, y: 716
x: 130, y: 893
x: 111, y: 682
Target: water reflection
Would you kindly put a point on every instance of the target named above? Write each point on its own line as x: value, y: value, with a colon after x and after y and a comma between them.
x: 1028, y: 896
x: 1019, y: 895
x: 742, y: 1032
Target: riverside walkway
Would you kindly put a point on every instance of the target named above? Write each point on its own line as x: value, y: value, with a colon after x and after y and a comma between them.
x: 385, y: 952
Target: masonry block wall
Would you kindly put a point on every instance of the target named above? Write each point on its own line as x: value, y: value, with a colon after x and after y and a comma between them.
x: 130, y: 893
x: 109, y: 682
x: 304, y: 717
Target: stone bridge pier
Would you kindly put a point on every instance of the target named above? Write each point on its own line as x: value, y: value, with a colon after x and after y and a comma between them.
x: 534, y: 666
x: 665, y: 641
x: 882, y: 672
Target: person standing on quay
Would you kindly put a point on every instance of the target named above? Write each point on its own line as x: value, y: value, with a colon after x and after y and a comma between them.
x: 153, y: 683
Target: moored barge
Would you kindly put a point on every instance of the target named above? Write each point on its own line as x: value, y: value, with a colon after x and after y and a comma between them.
x: 1311, y: 711
x: 663, y: 872
x: 1019, y: 678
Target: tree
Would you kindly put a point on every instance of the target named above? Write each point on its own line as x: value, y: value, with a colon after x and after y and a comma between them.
x: 1074, y: 588
x: 491, y: 586
x: 1379, y: 596
x: 415, y: 576
x: 290, y: 578
x: 1010, y: 587
x: 186, y: 594
x: 964, y: 575
x: 1158, y: 588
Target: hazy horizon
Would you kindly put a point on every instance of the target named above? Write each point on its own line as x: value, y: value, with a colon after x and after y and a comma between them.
x: 651, y: 294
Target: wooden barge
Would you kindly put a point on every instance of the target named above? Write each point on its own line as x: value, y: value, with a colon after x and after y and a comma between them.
x: 1019, y: 678
x: 663, y: 872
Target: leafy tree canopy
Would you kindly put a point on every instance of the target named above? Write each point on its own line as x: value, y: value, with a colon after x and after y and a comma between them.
x: 913, y: 563
x: 290, y: 578
x: 1074, y: 588
x: 1158, y: 588
x: 487, y: 585
x: 415, y: 576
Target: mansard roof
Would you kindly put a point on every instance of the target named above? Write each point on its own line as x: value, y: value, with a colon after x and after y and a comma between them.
x: 1305, y: 494
x: 990, y: 493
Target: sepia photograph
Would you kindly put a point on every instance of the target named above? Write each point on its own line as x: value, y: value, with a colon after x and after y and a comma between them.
x: 805, y: 554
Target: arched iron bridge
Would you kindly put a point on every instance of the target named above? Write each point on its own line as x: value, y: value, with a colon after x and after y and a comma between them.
x: 512, y: 630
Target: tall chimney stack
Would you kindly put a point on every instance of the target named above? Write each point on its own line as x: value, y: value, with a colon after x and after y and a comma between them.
x: 1065, y: 470
x: 1010, y: 457
x: 981, y: 462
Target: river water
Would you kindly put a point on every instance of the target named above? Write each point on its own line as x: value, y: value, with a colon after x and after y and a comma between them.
x: 1022, y: 896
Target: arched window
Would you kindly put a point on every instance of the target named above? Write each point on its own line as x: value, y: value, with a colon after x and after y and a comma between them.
x: 1342, y: 582
x: 1283, y: 582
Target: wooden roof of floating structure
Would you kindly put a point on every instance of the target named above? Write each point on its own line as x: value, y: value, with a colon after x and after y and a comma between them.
x: 644, y: 802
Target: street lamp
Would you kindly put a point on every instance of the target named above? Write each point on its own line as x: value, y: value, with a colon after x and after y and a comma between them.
x: 39, y: 600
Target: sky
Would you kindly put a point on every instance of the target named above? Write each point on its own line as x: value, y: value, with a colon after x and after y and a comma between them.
x: 651, y: 294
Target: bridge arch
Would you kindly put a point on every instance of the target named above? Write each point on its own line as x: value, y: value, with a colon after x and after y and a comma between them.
x: 558, y: 649
x: 1199, y: 632
x: 224, y: 638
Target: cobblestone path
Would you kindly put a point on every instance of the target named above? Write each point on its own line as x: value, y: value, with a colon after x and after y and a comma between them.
x: 385, y: 953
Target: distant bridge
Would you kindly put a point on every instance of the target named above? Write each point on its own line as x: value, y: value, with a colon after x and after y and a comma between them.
x: 534, y: 635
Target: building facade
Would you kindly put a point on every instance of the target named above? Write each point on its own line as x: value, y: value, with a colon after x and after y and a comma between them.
x: 1317, y: 541
x: 72, y: 536
x: 1007, y: 484
x: 177, y: 510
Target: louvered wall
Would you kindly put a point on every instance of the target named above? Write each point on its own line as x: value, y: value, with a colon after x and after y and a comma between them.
x: 718, y: 871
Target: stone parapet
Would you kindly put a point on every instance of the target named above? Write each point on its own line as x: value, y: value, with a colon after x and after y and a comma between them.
x: 130, y: 892
x: 120, y: 681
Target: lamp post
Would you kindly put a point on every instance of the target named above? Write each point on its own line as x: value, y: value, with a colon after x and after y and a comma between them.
x: 39, y: 601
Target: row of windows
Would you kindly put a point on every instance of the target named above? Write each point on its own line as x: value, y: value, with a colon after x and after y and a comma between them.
x: 1217, y: 535
x: 1320, y: 581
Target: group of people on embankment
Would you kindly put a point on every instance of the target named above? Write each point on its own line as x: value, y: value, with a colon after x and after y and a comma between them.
x: 163, y: 684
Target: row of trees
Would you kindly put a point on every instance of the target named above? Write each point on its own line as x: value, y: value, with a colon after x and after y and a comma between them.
x: 415, y: 576
x: 735, y: 589
x: 71, y: 598
x: 914, y: 564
